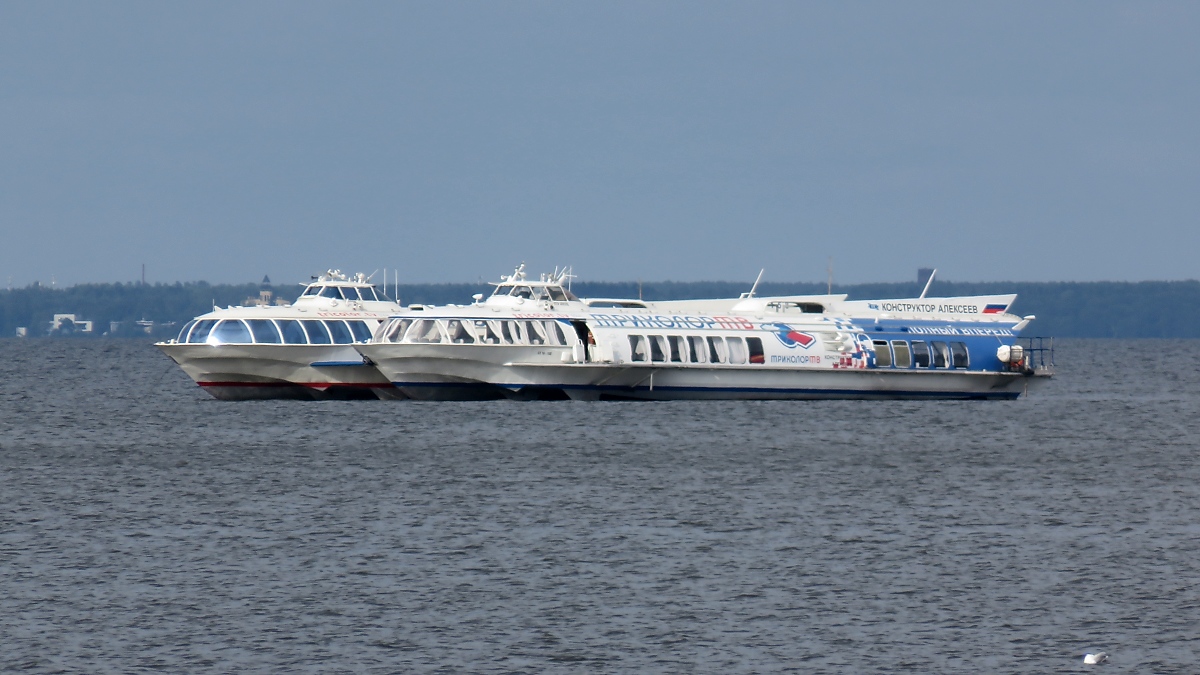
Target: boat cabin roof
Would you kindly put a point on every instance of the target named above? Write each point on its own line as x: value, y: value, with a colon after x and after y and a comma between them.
x: 517, y: 288
x: 335, y: 285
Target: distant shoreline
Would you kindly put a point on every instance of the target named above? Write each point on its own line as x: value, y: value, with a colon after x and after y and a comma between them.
x: 1097, y: 309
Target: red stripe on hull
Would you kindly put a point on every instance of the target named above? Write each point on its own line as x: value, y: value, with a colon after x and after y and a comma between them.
x: 311, y: 385
x: 247, y: 391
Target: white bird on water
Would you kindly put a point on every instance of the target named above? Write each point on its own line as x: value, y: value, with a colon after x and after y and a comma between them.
x: 1093, y: 659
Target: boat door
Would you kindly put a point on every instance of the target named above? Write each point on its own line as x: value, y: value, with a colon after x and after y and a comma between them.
x: 584, y: 350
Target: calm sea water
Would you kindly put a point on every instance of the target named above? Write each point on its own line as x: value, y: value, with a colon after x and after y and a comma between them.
x: 146, y: 527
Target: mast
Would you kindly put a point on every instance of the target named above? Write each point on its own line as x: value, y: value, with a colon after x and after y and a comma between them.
x: 928, y: 283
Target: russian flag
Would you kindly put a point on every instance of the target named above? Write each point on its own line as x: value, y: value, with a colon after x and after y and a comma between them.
x: 995, y: 309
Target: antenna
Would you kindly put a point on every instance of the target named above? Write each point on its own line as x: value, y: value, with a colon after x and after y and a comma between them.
x: 928, y: 283
x: 755, y: 286
x: 562, y: 275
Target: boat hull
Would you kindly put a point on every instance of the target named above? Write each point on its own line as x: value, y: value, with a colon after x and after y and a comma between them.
x: 742, y: 383
x: 470, y: 373
x: 304, y: 372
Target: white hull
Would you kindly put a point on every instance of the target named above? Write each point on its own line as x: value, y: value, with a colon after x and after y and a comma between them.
x: 734, y: 382
x: 243, y: 372
x: 442, y: 372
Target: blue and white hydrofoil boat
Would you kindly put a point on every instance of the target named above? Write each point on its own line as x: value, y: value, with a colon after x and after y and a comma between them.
x: 802, y: 347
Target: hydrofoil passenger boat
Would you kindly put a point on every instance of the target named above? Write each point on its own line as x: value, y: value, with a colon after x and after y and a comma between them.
x: 752, y: 348
x: 303, y: 350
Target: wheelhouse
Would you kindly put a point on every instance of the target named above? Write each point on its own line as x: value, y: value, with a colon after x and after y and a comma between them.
x: 366, y: 293
x: 517, y: 289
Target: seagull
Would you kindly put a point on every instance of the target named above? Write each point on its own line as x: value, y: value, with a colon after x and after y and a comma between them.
x: 1093, y: 659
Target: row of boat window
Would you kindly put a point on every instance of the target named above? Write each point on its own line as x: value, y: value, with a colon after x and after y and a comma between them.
x: 275, y: 331
x: 346, y: 292
x: 555, y: 293
x: 919, y: 354
x: 695, y: 349
x: 473, y: 331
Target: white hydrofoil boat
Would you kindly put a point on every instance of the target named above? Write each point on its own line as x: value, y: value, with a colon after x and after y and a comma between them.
x: 303, y: 350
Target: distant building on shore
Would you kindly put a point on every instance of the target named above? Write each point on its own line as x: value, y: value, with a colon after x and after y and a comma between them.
x: 69, y: 324
x: 264, y: 296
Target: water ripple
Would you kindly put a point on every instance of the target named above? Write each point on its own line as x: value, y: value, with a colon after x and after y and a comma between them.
x: 147, y: 527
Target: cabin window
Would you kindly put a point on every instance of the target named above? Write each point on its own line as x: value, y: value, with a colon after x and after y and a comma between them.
x: 941, y: 354
x: 330, y: 292
x: 716, y: 350
x: 678, y: 348
x: 370, y: 294
x: 231, y: 331
x: 554, y: 333
x: 900, y: 351
x: 658, y: 348
x: 200, y: 332
x: 557, y: 294
x: 425, y: 331
x: 340, y: 332
x: 737, y: 350
x: 351, y: 293
x: 637, y: 347
x: 699, y: 352
x: 458, y: 332
x: 264, y: 331
x: 507, y: 331
x: 756, y: 350
x: 521, y: 292
x: 381, y: 330
x: 796, y: 307
x: 488, y: 331
x: 183, y: 332
x: 317, y: 333
x: 958, y: 351
x: 293, y: 332
x: 920, y: 352
x: 360, y: 330
x: 883, y: 354
x: 535, y: 331
x: 396, y: 329
x: 312, y: 290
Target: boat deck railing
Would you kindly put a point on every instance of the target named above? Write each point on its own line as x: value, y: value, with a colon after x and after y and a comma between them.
x: 1039, y: 353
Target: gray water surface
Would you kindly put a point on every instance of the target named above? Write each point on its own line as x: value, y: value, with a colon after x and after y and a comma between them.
x: 147, y: 527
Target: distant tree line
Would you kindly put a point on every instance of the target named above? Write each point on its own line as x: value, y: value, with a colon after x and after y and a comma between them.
x: 1152, y: 309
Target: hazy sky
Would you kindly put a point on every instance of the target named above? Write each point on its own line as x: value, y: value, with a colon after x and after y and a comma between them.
x: 653, y: 140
